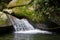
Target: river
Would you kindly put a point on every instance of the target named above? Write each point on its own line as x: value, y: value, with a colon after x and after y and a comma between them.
x: 18, y: 36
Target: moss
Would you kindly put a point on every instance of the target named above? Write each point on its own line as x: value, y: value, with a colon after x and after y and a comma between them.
x: 2, y: 22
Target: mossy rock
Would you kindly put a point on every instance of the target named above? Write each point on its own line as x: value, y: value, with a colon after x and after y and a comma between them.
x: 27, y: 11
x: 4, y: 21
x: 18, y: 3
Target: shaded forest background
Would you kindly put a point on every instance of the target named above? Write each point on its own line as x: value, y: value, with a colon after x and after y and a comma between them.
x: 36, y: 11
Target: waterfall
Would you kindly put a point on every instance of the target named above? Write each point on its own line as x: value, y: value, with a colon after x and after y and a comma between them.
x: 23, y: 26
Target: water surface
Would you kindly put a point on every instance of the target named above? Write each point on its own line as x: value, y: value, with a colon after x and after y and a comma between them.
x: 18, y: 36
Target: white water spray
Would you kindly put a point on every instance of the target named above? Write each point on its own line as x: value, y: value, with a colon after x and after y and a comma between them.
x: 23, y: 26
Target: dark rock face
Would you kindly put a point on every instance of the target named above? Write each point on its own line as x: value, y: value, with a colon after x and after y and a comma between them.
x: 48, y: 26
x: 7, y: 29
x: 5, y: 1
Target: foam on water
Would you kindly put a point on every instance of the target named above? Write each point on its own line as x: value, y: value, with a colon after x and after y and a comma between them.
x: 35, y: 31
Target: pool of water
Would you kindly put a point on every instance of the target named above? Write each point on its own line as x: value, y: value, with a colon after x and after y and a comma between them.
x: 17, y: 36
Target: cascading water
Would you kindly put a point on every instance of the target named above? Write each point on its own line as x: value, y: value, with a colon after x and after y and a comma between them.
x: 23, y: 26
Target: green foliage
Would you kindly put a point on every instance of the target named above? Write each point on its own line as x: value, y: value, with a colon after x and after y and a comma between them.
x: 2, y: 22
x: 29, y: 13
x: 50, y: 9
x: 3, y: 4
x: 37, y: 11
